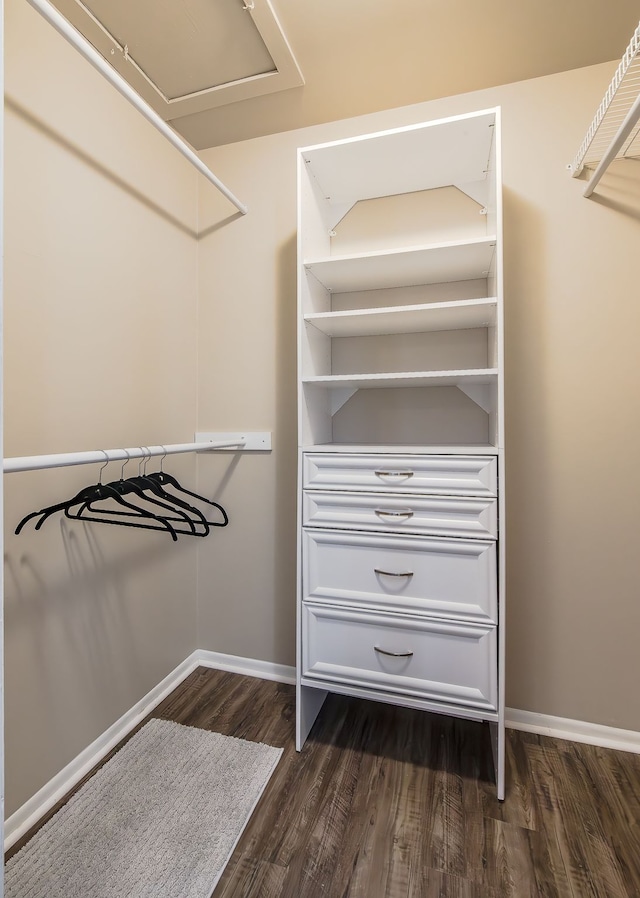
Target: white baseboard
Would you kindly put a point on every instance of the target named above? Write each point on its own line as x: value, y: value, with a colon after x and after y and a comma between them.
x: 250, y: 667
x: 30, y: 812
x: 573, y: 730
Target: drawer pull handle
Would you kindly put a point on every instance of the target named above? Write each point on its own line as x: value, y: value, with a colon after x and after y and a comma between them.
x: 402, y: 513
x: 377, y: 570
x: 393, y: 473
x: 392, y: 654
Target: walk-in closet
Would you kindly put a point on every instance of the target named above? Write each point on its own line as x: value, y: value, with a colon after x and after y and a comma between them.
x: 320, y: 415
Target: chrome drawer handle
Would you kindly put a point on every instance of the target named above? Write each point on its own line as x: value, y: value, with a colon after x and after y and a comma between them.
x: 392, y: 654
x: 403, y: 513
x: 377, y: 570
x: 393, y: 473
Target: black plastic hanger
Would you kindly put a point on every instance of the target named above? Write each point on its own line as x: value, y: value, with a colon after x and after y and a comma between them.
x: 85, y: 505
x: 100, y: 492
x: 88, y: 512
x: 163, y: 479
x: 131, y: 486
x: 145, y: 482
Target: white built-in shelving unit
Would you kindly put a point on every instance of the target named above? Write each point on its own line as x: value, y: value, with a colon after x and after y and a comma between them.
x: 401, y: 423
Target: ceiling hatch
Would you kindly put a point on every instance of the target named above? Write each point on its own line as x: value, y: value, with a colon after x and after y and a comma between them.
x: 186, y: 56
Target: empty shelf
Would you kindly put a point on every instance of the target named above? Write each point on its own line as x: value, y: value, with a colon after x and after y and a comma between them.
x: 405, y: 379
x: 433, y: 264
x: 441, y: 316
x: 434, y: 154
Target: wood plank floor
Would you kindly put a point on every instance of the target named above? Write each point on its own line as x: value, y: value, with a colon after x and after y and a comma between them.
x: 388, y: 802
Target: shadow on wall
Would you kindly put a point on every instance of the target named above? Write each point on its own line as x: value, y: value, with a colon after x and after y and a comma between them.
x: 86, y: 159
x: 226, y: 477
x: 287, y: 454
x: 83, y: 625
x: 529, y: 453
x: 206, y: 232
x: 83, y: 611
x: 619, y: 189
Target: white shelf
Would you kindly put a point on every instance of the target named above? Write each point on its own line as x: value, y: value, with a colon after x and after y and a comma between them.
x: 432, y: 264
x: 405, y: 379
x: 440, y: 316
x: 434, y: 154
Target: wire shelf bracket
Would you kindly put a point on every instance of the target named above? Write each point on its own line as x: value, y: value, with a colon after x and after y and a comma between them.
x: 614, y: 131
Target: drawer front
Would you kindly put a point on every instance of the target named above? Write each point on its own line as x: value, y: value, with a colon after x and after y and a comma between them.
x: 436, y: 660
x: 453, y: 475
x: 438, y: 577
x: 440, y: 515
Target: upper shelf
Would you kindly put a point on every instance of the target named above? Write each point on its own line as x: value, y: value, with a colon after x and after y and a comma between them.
x: 466, y: 376
x: 614, y: 131
x: 433, y: 264
x: 436, y: 154
x: 436, y: 316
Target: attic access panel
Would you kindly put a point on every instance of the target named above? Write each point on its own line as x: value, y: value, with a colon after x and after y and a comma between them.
x: 187, y: 56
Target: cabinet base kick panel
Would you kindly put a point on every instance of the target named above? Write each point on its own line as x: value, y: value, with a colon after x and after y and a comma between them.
x: 430, y: 659
x: 482, y: 715
x: 428, y: 575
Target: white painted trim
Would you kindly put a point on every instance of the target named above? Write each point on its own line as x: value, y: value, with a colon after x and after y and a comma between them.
x: 573, y: 730
x: 250, y: 667
x: 32, y: 810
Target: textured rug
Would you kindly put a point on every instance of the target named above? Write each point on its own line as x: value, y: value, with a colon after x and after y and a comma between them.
x: 159, y: 820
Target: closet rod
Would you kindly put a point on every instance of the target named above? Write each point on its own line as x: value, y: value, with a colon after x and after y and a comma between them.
x: 86, y: 49
x: 65, y: 459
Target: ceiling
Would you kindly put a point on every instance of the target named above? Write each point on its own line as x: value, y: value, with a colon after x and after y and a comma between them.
x: 227, y: 70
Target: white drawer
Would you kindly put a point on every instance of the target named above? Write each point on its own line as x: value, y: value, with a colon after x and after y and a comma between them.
x: 454, y: 475
x: 438, y: 660
x: 438, y: 577
x: 439, y: 515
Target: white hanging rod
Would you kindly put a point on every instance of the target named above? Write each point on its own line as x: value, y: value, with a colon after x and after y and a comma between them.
x: 86, y: 49
x: 66, y: 459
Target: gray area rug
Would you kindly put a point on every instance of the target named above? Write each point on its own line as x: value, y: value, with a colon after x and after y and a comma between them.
x: 159, y: 820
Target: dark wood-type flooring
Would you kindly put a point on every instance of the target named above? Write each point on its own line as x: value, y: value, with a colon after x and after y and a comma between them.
x: 387, y: 802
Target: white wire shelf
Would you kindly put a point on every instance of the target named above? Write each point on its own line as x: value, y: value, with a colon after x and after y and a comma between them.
x: 614, y: 132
